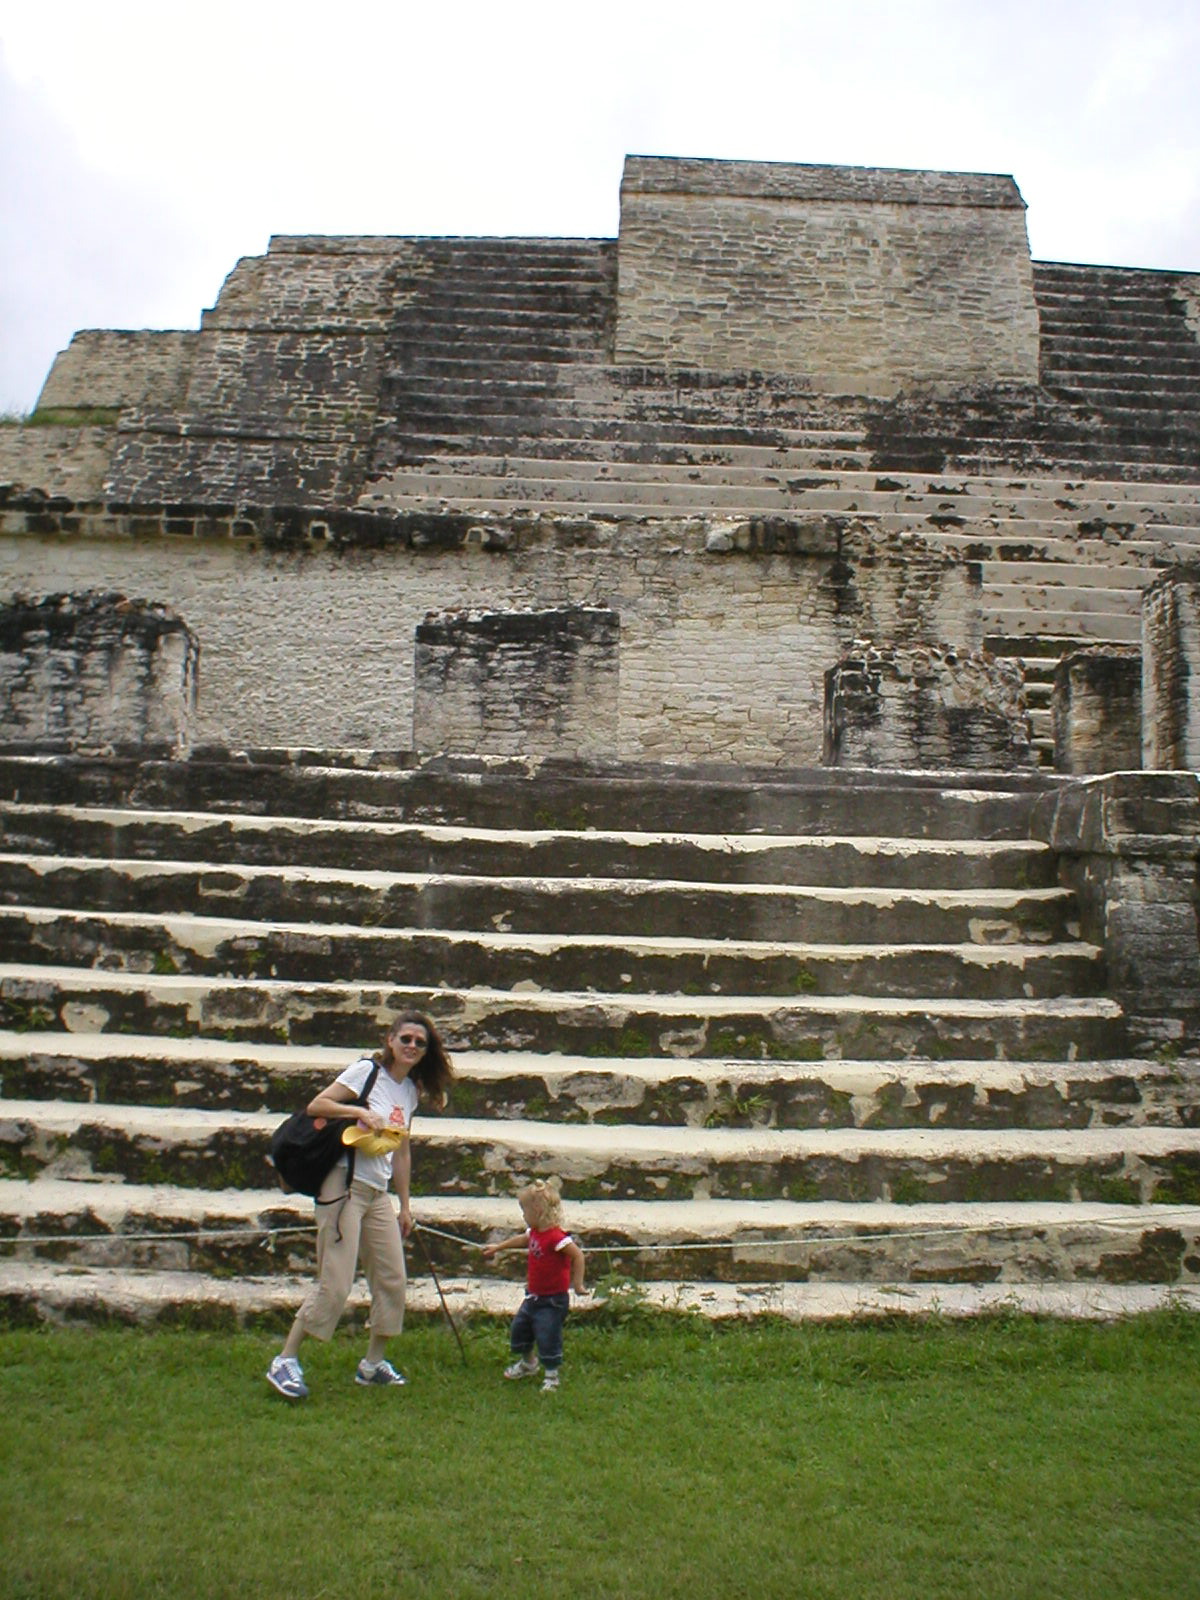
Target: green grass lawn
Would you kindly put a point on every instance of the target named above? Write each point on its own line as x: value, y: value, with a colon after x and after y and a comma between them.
x: 999, y: 1458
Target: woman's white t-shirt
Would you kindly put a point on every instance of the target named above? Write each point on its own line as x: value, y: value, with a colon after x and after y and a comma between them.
x: 396, y: 1102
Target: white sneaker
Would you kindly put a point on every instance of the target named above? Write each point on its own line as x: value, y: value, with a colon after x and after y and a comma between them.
x: 550, y: 1382
x: 382, y: 1373
x: 287, y: 1378
x: 524, y: 1368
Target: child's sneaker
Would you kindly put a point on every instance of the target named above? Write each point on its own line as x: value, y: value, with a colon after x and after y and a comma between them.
x: 378, y: 1372
x: 550, y: 1382
x: 286, y: 1378
x: 524, y: 1368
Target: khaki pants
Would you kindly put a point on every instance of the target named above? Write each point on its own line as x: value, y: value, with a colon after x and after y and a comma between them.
x: 369, y: 1226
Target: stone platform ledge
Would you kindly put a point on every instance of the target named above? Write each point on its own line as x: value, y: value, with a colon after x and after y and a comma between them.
x: 193, y: 991
x: 54, y: 1295
x: 645, y: 1224
x: 719, y: 843
x: 598, y: 1146
x: 489, y: 1066
x: 948, y: 781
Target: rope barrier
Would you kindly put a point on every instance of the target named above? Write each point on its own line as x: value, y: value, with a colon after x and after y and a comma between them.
x: 269, y: 1235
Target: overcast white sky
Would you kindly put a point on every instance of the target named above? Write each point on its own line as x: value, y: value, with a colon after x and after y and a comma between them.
x: 144, y: 147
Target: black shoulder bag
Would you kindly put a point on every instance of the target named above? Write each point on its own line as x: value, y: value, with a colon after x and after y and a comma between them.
x: 304, y: 1149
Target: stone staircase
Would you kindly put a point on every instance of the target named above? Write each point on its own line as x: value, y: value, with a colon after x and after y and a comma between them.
x: 1072, y: 497
x: 790, y: 1042
x: 476, y: 377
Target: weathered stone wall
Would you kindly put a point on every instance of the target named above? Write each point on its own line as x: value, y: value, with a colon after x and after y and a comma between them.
x: 60, y: 461
x: 924, y: 708
x: 534, y: 683
x: 1129, y: 847
x: 110, y: 369
x: 284, y: 381
x: 863, y: 280
x: 1096, y: 710
x: 95, y: 671
x: 309, y: 626
x: 1171, y: 671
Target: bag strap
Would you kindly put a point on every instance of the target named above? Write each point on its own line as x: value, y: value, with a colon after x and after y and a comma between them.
x: 359, y: 1100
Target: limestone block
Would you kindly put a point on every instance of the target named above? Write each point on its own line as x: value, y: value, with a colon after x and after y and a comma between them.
x: 1171, y: 671
x: 95, y: 671
x: 924, y: 708
x: 1097, y: 710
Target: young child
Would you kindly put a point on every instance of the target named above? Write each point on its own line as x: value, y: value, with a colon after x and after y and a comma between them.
x: 555, y: 1267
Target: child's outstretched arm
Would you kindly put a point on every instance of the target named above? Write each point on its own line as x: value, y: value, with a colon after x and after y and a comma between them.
x: 517, y: 1241
x: 575, y: 1255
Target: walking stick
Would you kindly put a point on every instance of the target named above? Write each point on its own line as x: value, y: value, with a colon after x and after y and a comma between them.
x: 438, y: 1287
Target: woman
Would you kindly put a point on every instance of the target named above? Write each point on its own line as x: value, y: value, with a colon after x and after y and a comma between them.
x: 412, y: 1064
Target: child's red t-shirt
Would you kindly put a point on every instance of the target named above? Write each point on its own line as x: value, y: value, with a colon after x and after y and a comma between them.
x: 549, y: 1265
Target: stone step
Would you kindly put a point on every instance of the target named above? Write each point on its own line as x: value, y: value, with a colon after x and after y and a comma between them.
x: 304, y: 953
x: 1139, y: 455
x: 478, y: 275
x: 666, y: 490
x: 497, y: 447
x: 1108, y: 496
x: 441, y: 353
x: 1080, y: 627
x: 1066, y: 315
x: 567, y: 795
x: 1147, y: 402
x: 583, y: 308
x: 801, y: 1027
x: 1120, y: 553
x: 650, y: 389
x: 219, y: 1150
x: 1063, y: 303
x: 664, y: 1091
x: 501, y: 498
x: 371, y: 899
x: 818, y: 861
x: 569, y: 396
x: 143, y: 1230
x: 1111, y: 445
x: 492, y: 355
x: 514, y: 276
x: 1108, y: 346
x: 1081, y: 458
x: 492, y: 347
x: 33, y: 1293
x: 470, y: 284
x: 1055, y: 602
x: 1069, y: 576
x: 540, y: 406
x: 1145, y: 356
x: 1089, y: 361
x: 560, y: 424
x: 1045, y: 650
x: 841, y: 491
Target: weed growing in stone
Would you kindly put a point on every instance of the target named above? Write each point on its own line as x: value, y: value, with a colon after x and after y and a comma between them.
x: 72, y: 417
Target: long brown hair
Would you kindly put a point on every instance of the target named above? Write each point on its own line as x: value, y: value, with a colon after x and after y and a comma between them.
x: 434, y: 1072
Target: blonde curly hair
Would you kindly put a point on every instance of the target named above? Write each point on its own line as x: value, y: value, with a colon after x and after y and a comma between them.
x: 541, y: 1203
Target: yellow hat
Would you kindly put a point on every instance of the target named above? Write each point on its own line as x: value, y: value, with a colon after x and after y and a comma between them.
x: 373, y: 1141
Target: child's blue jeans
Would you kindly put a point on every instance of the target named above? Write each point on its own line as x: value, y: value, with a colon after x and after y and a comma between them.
x: 540, y: 1320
